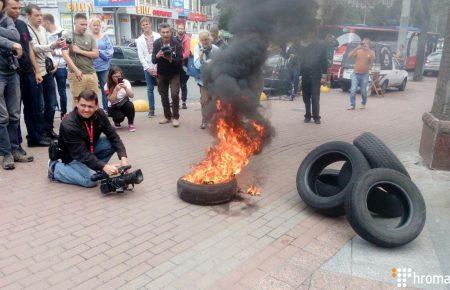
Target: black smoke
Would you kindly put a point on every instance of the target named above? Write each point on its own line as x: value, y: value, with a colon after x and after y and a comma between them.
x: 235, y: 76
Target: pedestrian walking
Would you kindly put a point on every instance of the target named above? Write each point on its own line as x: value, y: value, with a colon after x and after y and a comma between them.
x: 144, y: 46
x: 105, y: 51
x: 168, y: 55
x: 79, y: 53
x: 291, y: 54
x: 185, y: 41
x: 216, y: 39
x: 364, y: 57
x: 314, y: 65
x: 55, y: 33
x: 119, y: 92
x: 204, y: 52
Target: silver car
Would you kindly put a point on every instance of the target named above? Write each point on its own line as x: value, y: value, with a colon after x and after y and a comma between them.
x: 432, y: 63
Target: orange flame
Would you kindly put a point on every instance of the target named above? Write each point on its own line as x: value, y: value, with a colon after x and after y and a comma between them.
x: 253, y: 190
x: 232, y: 151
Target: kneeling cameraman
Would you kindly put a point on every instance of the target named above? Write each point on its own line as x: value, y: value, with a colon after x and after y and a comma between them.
x: 83, y: 150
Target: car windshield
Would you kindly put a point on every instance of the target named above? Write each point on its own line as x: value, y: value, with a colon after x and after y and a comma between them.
x: 435, y: 56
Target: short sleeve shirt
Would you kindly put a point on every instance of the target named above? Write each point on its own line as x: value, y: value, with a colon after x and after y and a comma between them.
x: 85, y: 42
x: 120, y: 94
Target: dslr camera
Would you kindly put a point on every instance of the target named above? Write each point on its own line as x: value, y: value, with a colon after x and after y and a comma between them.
x: 11, y: 57
x: 167, y: 50
x: 123, y: 181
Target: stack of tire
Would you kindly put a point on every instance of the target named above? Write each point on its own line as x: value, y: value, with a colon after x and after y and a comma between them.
x: 372, y: 184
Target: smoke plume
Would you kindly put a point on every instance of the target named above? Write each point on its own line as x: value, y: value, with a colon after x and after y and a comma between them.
x: 235, y: 76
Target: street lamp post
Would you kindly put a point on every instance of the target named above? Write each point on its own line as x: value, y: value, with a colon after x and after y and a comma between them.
x: 435, y: 141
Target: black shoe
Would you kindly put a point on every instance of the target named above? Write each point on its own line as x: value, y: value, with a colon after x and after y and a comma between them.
x: 318, y: 122
x: 52, y: 135
x: 151, y: 114
x: 21, y: 151
x: 22, y: 156
x: 184, y: 107
x: 40, y: 143
x: 307, y: 120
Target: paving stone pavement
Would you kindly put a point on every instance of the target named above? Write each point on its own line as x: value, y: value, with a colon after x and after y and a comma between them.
x: 57, y: 236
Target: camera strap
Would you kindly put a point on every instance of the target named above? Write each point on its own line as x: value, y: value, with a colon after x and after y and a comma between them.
x: 90, y: 130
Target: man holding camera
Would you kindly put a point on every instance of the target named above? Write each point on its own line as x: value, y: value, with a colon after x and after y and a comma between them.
x: 79, y: 53
x: 168, y: 55
x: 46, y: 65
x: 82, y: 150
x: 9, y: 92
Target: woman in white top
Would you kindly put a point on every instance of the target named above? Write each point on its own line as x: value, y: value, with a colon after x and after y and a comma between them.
x: 119, y: 93
x: 203, y: 54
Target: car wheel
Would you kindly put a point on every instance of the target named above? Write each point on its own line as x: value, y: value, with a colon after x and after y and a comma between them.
x: 384, y: 86
x: 402, y: 86
x: 312, y: 166
x: 376, y: 231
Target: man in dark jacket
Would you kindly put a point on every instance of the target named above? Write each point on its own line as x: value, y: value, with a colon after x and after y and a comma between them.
x: 168, y: 55
x: 83, y: 150
x: 314, y: 65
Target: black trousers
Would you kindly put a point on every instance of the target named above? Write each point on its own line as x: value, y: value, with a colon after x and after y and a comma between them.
x: 164, y: 82
x: 119, y: 114
x: 311, y: 98
x: 183, y: 84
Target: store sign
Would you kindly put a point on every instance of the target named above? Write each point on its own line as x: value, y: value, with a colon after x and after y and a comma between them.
x: 161, y: 13
x: 115, y: 3
x: 148, y: 11
x: 187, y: 7
x: 199, y: 17
x: 75, y: 6
x: 178, y: 5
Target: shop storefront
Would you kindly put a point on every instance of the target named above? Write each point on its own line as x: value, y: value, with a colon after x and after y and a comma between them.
x: 157, y: 15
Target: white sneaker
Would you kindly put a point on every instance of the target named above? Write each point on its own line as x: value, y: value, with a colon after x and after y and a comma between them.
x: 164, y: 121
x: 175, y: 123
x: 351, y: 108
x: 362, y: 107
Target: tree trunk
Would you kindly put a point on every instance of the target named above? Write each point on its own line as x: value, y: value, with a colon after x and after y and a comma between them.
x: 441, y: 104
x: 424, y: 28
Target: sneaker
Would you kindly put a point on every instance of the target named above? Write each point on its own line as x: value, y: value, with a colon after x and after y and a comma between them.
x: 307, y: 120
x: 164, y: 121
x: 203, y: 126
x: 184, y: 107
x: 175, y: 123
x: 318, y: 122
x: 131, y: 128
x: 8, y: 162
x: 51, y: 170
x: 21, y: 151
x: 20, y: 157
x: 151, y: 113
x: 363, y: 106
x: 351, y: 108
x: 117, y: 125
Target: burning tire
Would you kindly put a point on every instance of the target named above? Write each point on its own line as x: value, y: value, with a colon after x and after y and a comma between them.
x: 360, y: 218
x: 378, y: 154
x: 206, y: 194
x: 313, y: 165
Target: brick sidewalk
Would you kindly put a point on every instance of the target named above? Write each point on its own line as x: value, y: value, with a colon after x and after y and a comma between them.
x: 59, y: 236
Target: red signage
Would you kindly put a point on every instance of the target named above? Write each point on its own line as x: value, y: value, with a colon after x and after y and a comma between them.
x: 161, y: 13
x: 199, y: 17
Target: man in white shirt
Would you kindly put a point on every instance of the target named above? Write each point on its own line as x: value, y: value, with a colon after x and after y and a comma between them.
x: 55, y: 33
x: 42, y: 49
x: 144, y: 46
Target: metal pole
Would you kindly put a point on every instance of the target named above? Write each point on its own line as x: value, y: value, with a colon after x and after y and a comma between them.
x: 404, y: 20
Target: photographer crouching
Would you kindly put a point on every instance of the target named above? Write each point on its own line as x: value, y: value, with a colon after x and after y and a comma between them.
x: 82, y: 150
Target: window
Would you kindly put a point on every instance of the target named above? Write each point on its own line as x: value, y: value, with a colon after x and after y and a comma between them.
x: 130, y: 53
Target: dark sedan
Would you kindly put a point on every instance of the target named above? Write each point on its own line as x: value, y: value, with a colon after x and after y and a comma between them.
x: 276, y: 75
x: 127, y: 59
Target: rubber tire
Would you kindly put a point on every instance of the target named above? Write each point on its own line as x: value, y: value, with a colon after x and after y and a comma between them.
x: 384, y: 87
x: 359, y: 216
x: 385, y: 204
x: 315, y: 162
x: 206, y: 194
x: 327, y: 184
x: 377, y: 153
x: 402, y: 87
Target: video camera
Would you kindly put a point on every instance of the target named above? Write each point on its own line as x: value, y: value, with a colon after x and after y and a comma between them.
x: 167, y: 50
x: 119, y: 183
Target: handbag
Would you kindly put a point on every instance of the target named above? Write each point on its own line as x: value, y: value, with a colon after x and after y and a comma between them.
x: 49, y: 65
x: 120, y: 103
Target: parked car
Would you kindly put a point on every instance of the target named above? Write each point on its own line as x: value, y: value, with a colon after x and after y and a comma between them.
x: 276, y: 75
x: 433, y: 63
x: 127, y: 59
x: 393, y: 73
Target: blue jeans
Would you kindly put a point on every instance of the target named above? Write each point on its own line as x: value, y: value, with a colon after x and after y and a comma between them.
x: 360, y: 80
x: 61, y: 78
x: 102, y: 75
x: 295, y: 75
x: 184, y: 77
x: 9, y: 113
x: 150, y: 90
x: 48, y: 92
x: 32, y: 107
x: 78, y: 173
